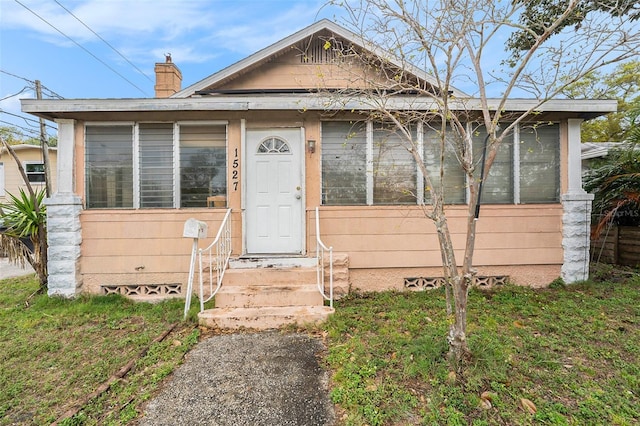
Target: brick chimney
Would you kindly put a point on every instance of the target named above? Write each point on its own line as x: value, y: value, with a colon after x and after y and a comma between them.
x: 168, y: 78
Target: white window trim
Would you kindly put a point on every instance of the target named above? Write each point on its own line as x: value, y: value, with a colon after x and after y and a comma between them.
x: 176, y: 166
x: 369, y: 162
x: 136, y: 165
x: 419, y: 176
x: 515, y: 162
x: 28, y: 162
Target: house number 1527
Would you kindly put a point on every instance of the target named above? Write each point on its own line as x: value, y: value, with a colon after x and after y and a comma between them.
x: 234, y: 172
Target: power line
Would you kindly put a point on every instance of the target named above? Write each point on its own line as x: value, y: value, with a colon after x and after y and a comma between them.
x: 51, y: 94
x: 82, y: 47
x: 17, y: 76
x: 15, y: 94
x: 33, y: 83
x: 105, y: 42
x: 26, y: 119
x: 25, y: 129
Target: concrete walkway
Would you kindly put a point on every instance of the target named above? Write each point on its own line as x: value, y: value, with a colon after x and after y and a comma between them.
x: 258, y: 379
x: 9, y: 270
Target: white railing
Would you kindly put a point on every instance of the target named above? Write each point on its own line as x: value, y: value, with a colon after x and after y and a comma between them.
x: 216, y: 259
x: 321, y: 253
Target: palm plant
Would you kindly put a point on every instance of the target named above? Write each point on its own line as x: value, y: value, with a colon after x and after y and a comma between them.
x: 24, y: 237
x: 616, y: 184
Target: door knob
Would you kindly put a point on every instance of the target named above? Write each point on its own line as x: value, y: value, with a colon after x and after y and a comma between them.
x: 298, y: 196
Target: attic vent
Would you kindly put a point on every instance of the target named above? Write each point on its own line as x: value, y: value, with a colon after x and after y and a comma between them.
x: 320, y: 51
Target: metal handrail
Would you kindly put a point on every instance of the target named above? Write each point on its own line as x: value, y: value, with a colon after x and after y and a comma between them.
x: 219, y: 252
x: 321, y: 248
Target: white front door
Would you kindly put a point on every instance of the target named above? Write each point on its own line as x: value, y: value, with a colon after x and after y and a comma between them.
x: 274, y: 199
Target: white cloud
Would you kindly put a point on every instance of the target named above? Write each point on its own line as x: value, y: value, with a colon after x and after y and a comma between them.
x: 12, y: 103
x: 208, y: 26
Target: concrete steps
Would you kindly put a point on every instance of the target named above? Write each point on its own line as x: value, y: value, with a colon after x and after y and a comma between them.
x: 265, y: 317
x: 267, y: 293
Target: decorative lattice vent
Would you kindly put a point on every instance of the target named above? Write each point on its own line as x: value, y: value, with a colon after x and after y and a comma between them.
x: 144, y: 290
x: 323, y: 50
x: 430, y: 283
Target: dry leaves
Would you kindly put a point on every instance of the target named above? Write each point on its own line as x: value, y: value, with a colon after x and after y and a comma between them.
x: 485, y: 400
x: 528, y: 406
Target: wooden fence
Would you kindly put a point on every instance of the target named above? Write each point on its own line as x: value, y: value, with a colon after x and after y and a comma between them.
x: 619, y: 245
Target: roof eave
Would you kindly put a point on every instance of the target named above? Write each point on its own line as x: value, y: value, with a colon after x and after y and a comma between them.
x: 54, y: 108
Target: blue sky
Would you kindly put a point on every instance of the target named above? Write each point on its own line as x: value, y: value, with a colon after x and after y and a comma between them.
x: 203, y: 36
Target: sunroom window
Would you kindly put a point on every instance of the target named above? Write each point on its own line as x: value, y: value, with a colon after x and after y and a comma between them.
x: 453, y: 177
x: 109, y: 166
x: 539, y: 164
x: 498, y: 187
x: 138, y: 165
x: 366, y: 163
x: 344, y: 163
x: 203, y: 164
x: 155, y: 146
x: 394, y: 169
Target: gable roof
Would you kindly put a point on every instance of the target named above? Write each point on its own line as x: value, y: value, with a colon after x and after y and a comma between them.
x: 25, y: 147
x: 253, y: 61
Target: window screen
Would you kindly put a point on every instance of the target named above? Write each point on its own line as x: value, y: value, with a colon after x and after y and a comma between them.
x: 453, y: 177
x: 203, y: 164
x: 394, y: 169
x: 498, y: 187
x: 156, y: 165
x: 109, y: 166
x: 344, y: 163
x: 539, y: 164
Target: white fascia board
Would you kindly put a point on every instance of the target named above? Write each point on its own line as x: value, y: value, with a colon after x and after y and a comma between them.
x: 52, y: 107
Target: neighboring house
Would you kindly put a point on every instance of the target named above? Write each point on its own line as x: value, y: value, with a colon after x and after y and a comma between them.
x: 257, y: 139
x: 594, y: 150
x: 31, y: 158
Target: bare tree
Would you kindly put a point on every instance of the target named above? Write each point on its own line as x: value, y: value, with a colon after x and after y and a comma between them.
x: 460, y: 43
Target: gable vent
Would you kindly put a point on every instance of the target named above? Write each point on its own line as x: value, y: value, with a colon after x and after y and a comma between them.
x: 320, y: 51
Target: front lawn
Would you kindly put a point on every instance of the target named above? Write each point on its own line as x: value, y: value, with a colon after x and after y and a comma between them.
x: 55, y: 352
x: 559, y: 356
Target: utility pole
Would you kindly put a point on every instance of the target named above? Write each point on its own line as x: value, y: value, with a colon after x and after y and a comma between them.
x: 45, y: 146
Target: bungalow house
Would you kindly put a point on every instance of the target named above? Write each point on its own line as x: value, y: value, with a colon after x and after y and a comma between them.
x: 31, y: 158
x: 257, y: 139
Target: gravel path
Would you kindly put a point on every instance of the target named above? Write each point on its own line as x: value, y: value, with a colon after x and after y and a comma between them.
x: 269, y: 379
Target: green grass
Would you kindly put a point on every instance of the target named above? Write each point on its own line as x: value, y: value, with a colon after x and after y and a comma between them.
x: 56, y: 351
x: 573, y: 351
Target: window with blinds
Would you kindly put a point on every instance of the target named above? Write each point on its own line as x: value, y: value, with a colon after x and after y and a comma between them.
x: 344, y: 158
x: 392, y: 177
x: 394, y: 169
x: 155, y: 147
x: 198, y: 173
x: 540, y: 164
x: 109, y: 166
x: 203, y: 164
x: 498, y: 187
x: 453, y: 177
